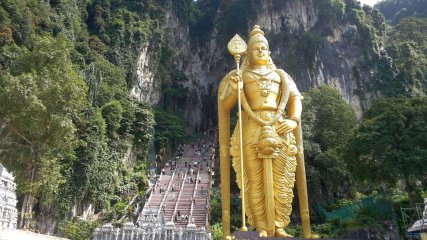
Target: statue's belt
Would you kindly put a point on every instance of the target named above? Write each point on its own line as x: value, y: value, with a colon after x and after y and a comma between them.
x: 285, y: 140
x: 265, y: 115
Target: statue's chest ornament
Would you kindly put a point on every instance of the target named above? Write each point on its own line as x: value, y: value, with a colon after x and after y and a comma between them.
x: 264, y: 82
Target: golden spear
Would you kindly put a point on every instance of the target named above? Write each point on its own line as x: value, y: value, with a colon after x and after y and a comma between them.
x: 236, y: 47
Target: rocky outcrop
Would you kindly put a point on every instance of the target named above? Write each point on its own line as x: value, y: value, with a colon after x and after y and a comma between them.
x: 146, y: 89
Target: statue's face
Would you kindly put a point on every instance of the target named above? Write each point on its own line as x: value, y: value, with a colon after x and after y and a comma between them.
x: 260, y: 53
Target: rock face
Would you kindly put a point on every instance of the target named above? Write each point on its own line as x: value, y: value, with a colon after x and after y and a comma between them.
x: 328, y: 58
x: 8, y: 212
x: 146, y: 90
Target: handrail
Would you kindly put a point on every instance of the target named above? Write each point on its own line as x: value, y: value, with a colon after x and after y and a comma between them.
x: 208, y: 198
x: 157, y: 179
x: 179, y: 196
x: 151, y: 194
x: 194, y: 195
x: 167, y: 189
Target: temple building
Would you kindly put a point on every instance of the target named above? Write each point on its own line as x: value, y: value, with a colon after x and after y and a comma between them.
x: 8, y: 212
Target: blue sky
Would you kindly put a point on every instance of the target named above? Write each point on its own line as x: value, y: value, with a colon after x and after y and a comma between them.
x: 369, y: 2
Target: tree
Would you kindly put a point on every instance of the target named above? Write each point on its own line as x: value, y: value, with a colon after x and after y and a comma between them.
x: 327, y: 123
x: 333, y: 118
x: 91, y: 177
x: 39, y: 98
x: 112, y: 112
x: 170, y: 129
x: 396, y: 10
x: 391, y: 143
x: 407, y: 45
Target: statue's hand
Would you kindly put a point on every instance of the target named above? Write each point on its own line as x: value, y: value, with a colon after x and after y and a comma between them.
x: 234, y: 82
x: 286, y: 126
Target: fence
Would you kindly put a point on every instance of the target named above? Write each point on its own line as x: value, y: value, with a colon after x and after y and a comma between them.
x: 150, y: 232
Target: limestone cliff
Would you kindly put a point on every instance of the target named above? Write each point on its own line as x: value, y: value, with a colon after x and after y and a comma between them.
x: 316, y: 42
x: 146, y: 90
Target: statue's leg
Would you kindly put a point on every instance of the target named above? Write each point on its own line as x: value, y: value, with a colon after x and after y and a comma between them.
x: 255, y: 192
x: 284, y: 179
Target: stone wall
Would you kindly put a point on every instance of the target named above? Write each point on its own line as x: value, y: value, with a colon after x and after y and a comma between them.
x: 8, y: 212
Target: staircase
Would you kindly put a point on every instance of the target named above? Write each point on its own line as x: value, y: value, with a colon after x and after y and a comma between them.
x: 201, y: 197
x: 178, y: 206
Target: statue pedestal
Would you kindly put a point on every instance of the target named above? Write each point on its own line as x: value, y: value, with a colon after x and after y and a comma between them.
x: 254, y: 235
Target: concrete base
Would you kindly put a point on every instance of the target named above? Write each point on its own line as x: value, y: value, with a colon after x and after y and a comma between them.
x: 25, y: 235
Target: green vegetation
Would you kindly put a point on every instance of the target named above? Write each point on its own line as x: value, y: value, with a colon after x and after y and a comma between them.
x: 300, y: 56
x: 234, y: 19
x: 77, y: 229
x: 67, y: 122
x: 174, y: 93
x: 216, y: 231
x: 370, y: 213
x: 331, y: 12
x: 40, y: 97
x: 203, y: 26
x: 186, y: 10
x: 400, y: 69
x: 390, y: 145
x: 327, y: 123
x: 170, y: 130
x: 407, y: 45
x: 395, y: 10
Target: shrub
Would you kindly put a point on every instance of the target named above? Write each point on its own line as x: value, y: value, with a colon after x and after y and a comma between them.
x: 78, y: 229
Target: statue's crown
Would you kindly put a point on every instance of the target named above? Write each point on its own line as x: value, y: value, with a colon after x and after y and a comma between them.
x: 256, y: 30
x: 255, y: 36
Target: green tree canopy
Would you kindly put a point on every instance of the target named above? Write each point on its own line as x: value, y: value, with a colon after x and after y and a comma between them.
x: 170, y: 129
x: 39, y: 98
x: 407, y: 45
x: 327, y: 123
x: 112, y: 112
x: 70, y: 145
x: 396, y: 10
x: 391, y: 143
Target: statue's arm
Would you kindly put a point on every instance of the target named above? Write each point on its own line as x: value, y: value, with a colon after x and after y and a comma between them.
x: 294, y: 104
x: 294, y: 107
x: 229, y: 92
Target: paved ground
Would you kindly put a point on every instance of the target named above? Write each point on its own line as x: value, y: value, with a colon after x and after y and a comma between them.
x: 25, y: 235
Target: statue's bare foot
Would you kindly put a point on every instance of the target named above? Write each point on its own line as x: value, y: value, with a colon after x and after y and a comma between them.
x: 262, y: 233
x: 281, y: 233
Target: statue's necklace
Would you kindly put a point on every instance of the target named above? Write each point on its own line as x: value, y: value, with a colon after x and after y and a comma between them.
x: 263, y: 82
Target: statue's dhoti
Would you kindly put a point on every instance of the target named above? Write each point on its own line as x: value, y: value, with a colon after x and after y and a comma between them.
x: 283, y: 171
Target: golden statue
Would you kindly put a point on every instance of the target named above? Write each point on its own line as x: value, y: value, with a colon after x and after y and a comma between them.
x: 270, y: 141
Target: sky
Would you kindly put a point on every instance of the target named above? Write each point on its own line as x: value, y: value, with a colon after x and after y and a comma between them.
x: 369, y: 2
